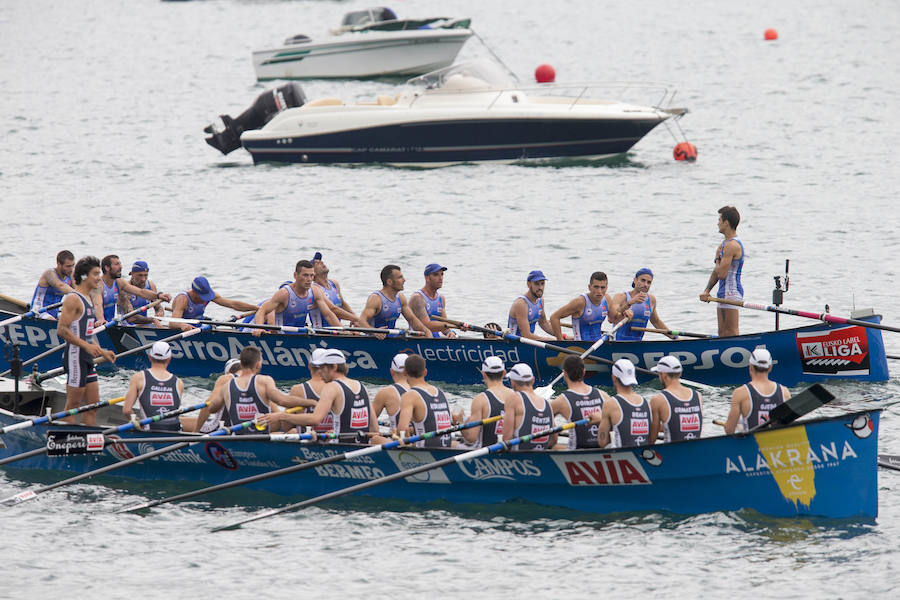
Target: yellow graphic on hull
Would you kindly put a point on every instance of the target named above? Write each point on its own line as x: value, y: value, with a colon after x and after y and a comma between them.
x: 785, y: 452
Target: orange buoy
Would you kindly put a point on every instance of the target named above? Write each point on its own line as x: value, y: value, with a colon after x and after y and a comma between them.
x: 770, y: 34
x: 685, y: 151
x: 545, y: 74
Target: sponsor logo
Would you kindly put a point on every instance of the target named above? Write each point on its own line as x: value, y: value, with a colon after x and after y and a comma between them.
x: 327, y: 424
x: 862, y: 426
x: 499, y: 429
x: 839, y: 351
x: 498, y: 468
x: 614, y: 468
x: 221, y: 456
x: 690, y: 422
x: 410, y: 459
x: 246, y: 412
x: 538, y: 429
x: 652, y: 457
x: 359, y: 418
x: 640, y: 427
x: 89, y: 330
x: 442, y: 419
x: 118, y: 451
x: 162, y: 399
x: 95, y: 442
x: 349, y: 471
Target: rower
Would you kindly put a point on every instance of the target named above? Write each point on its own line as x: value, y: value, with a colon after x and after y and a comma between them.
x: 332, y: 291
x: 114, y: 284
x: 155, y: 390
x: 292, y: 303
x: 579, y: 401
x: 424, y: 406
x: 214, y: 420
x: 76, y: 327
x: 588, y: 311
x: 528, y: 309
x: 190, y: 304
x: 388, y: 397
x: 247, y: 396
x: 489, y: 403
x: 312, y: 389
x: 625, y: 421
x: 385, y: 305
x: 752, y: 402
x: 526, y: 412
x: 140, y: 278
x: 727, y: 272
x: 638, y: 305
x: 677, y: 410
x: 345, y: 400
x: 54, y: 284
x: 428, y: 302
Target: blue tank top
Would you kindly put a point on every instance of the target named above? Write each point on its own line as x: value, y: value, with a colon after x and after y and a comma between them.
x: 47, y: 295
x: 194, y: 310
x: 642, y: 312
x: 434, y: 307
x: 534, y: 314
x: 138, y: 301
x: 297, y: 308
x: 587, y: 326
x: 315, y: 315
x: 387, y: 316
x: 110, y: 300
x: 731, y: 287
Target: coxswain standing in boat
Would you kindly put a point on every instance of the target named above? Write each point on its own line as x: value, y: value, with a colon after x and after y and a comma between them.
x: 424, y: 406
x: 312, y: 389
x: 293, y: 303
x: 428, y: 302
x: 588, y: 311
x: 388, y: 398
x: 54, y: 284
x: 625, y: 419
x: 528, y: 310
x: 114, y: 284
x: 387, y: 304
x: 140, y: 278
x: 345, y: 400
x: 190, y: 304
x: 752, y: 402
x: 525, y: 412
x: 638, y: 305
x: 155, y: 391
x: 214, y: 420
x: 579, y: 401
x: 727, y: 272
x: 677, y: 411
x: 332, y: 291
x: 76, y: 327
x: 489, y: 403
x: 247, y: 396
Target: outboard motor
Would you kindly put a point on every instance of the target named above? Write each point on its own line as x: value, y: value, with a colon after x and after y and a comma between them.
x: 297, y: 39
x: 266, y: 106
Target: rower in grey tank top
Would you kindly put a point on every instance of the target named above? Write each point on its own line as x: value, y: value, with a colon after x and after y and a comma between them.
x: 633, y: 428
x: 158, y: 398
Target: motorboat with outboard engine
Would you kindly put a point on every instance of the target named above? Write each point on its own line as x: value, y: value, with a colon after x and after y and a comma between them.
x: 369, y: 43
x: 468, y: 112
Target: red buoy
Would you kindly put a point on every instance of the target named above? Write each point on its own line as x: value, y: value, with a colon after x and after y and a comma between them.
x: 685, y: 151
x: 770, y: 34
x: 545, y: 74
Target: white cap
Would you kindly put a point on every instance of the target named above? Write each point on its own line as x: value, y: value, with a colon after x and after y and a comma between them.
x: 398, y: 363
x: 333, y: 356
x: 493, y: 364
x: 623, y: 370
x: 230, y: 364
x: 520, y: 372
x: 761, y: 358
x: 316, y: 358
x: 667, y: 364
x: 160, y: 350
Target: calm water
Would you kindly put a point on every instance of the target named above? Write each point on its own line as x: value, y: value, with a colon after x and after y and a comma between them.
x: 101, y: 115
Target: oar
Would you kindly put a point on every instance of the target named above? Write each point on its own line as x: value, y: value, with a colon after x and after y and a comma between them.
x: 893, y: 356
x: 674, y: 332
x: 809, y: 315
x: 459, y: 458
x: 99, y: 360
x: 546, y: 391
x: 309, y: 465
x: 115, y: 320
x: 15, y: 301
x: 61, y: 415
x: 889, y: 461
x: 30, y: 313
x: 376, y: 330
x: 261, y: 437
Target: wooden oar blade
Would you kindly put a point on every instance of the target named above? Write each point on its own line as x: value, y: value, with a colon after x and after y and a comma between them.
x: 803, y: 403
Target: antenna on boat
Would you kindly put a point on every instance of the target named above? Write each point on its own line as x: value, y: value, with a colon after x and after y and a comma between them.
x: 778, y: 292
x: 496, y: 57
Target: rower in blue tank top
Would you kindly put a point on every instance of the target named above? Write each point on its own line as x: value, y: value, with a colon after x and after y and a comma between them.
x: 385, y: 305
x: 297, y: 308
x: 727, y: 272
x: 587, y: 310
x: 192, y: 303
x: 638, y: 305
x: 54, y: 284
x: 332, y: 290
x: 528, y: 309
x: 428, y: 302
x: 292, y: 303
x: 114, y: 283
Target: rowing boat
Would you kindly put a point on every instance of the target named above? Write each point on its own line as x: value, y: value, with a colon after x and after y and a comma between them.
x: 823, y: 467
x: 820, y: 352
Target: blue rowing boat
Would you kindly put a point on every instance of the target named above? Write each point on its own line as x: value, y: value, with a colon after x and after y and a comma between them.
x: 820, y: 352
x: 822, y: 467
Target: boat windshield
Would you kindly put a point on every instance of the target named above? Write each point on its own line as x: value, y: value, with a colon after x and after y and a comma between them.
x: 369, y: 15
x: 465, y: 76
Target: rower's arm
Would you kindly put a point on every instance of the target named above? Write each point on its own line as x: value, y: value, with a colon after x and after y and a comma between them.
x: 325, y: 307
x: 134, y: 390
x: 656, y: 411
x: 214, y: 403
x: 738, y: 397
x: 128, y: 288
x: 276, y: 303
x: 414, y: 322
x: 53, y: 280
x: 519, y: 312
x: 604, y: 420
x: 478, y: 414
x: 273, y: 394
x: 574, y: 307
x: 417, y: 306
x: 373, y: 305
x: 343, y: 311
x: 318, y: 415
x: 407, y: 408
x: 512, y: 414
x: 238, y: 305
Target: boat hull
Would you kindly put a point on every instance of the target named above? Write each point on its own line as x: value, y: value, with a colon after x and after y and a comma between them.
x: 826, y: 467
x: 820, y: 352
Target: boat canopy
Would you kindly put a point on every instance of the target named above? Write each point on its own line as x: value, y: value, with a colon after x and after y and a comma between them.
x: 472, y: 75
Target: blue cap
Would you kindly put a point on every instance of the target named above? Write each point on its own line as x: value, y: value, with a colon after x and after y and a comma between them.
x: 201, y: 287
x: 434, y: 268
x: 644, y: 271
x: 317, y: 256
x: 536, y: 276
x: 139, y: 266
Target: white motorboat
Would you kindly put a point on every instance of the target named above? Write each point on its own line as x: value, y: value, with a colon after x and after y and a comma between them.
x: 468, y: 112
x: 369, y: 43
